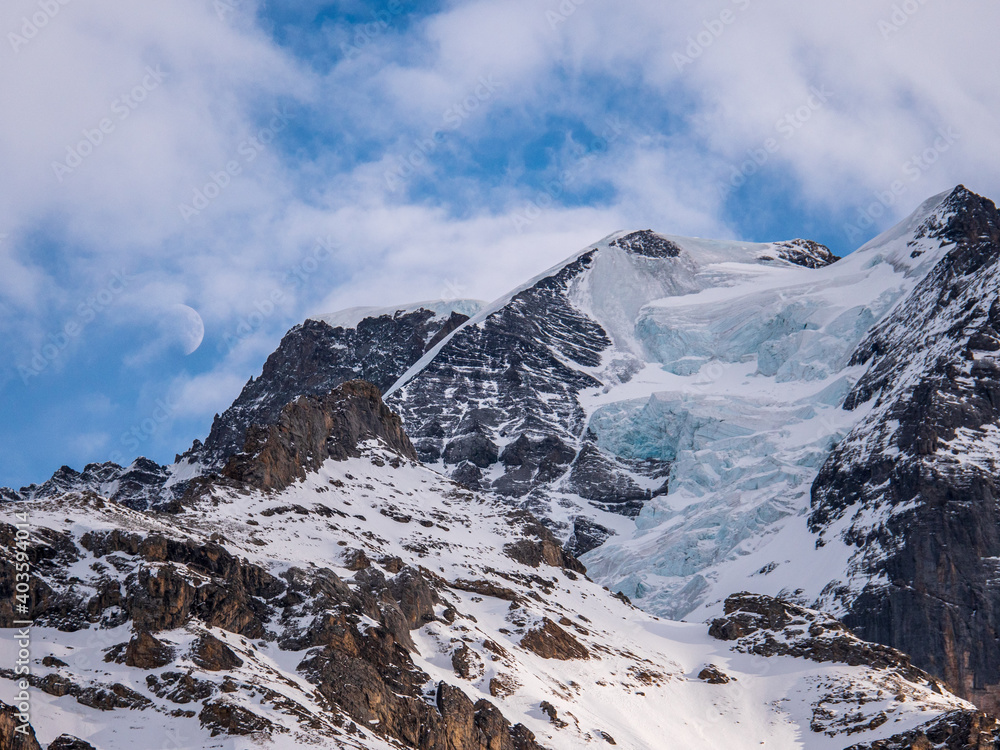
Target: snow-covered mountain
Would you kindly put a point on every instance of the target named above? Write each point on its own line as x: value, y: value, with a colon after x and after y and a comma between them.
x: 700, y: 387
x: 692, y: 419
x: 372, y: 603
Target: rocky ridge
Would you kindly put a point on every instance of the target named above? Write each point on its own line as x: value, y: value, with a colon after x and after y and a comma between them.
x: 913, y: 487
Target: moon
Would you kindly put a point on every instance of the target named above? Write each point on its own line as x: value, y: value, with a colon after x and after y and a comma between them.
x: 189, y: 327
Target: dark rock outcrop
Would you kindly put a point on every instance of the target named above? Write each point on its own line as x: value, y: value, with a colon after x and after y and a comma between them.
x: 923, y: 465
x: 766, y: 626
x: 805, y: 253
x: 180, y: 579
x: 587, y: 535
x: 956, y: 730
x: 467, y: 663
x: 146, y: 652
x: 312, y: 429
x: 550, y: 641
x: 599, y: 478
x: 138, y: 485
x: 212, y: 654
x: 220, y: 717
x: 539, y: 546
x: 517, y: 373
x: 714, y: 676
x: 646, y: 242
x: 69, y: 742
x: 314, y: 358
x: 13, y: 734
x: 179, y: 687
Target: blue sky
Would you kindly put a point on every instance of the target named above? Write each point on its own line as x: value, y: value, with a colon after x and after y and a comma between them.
x: 241, y: 165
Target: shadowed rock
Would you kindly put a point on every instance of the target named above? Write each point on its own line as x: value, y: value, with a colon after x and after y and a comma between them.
x: 552, y: 642
x: 212, y: 654
x: 146, y: 652
x: 10, y: 737
x: 311, y: 430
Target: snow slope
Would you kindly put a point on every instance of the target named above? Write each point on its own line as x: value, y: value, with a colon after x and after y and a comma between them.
x: 639, y: 685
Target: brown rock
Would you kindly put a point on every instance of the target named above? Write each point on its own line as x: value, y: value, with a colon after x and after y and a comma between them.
x: 69, y: 742
x: 486, y: 588
x: 549, y: 710
x: 10, y: 738
x: 391, y: 563
x: 356, y: 559
x: 502, y: 686
x: 159, y: 598
x: 467, y: 663
x: 179, y: 687
x: 212, y: 654
x: 146, y: 652
x: 226, y: 718
x: 955, y: 730
x: 312, y: 429
x: 415, y: 597
x: 552, y: 642
x: 56, y: 685
x: 714, y: 676
x: 110, y: 697
x: 539, y: 546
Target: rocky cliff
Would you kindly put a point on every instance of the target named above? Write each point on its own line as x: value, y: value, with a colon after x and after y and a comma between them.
x: 315, y: 357
x: 913, y: 488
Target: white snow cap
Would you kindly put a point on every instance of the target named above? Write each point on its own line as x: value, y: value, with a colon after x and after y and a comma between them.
x: 350, y: 317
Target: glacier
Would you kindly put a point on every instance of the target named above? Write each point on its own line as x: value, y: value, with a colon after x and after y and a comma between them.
x: 744, y: 372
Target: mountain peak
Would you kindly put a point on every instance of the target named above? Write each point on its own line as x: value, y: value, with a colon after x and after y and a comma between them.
x: 964, y: 216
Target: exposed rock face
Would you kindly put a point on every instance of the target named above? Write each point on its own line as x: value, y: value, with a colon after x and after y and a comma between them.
x: 179, y: 687
x: 467, y: 663
x: 138, y: 485
x: 10, y: 738
x: 646, y: 242
x: 69, y: 742
x: 958, y: 730
x: 314, y: 358
x: 146, y: 652
x: 179, y: 580
x: 520, y: 372
x: 805, y: 253
x: 766, y: 626
x: 312, y: 429
x: 521, y: 385
x: 221, y: 717
x: 212, y: 654
x: 552, y: 642
x: 539, y: 546
x: 597, y: 477
x: 914, y: 486
x: 714, y: 676
x: 587, y: 535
